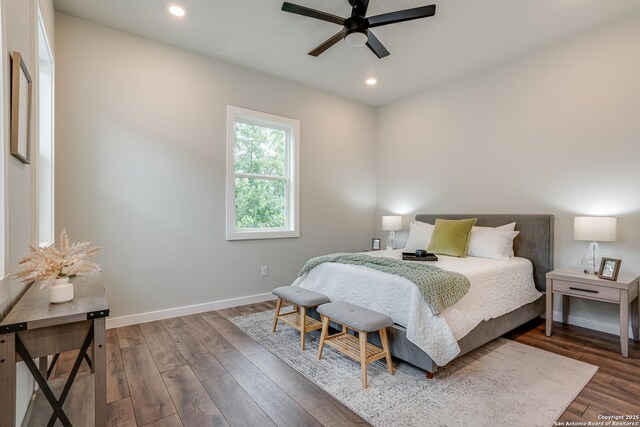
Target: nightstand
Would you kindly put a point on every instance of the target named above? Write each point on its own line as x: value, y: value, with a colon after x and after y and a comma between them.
x: 570, y: 283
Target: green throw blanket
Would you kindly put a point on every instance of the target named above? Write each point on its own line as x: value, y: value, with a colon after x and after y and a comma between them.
x: 440, y: 288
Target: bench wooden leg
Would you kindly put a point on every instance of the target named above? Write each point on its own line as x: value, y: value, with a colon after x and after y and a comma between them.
x: 385, y: 347
x: 323, y: 335
x: 278, y: 307
x: 303, y: 315
x: 363, y: 357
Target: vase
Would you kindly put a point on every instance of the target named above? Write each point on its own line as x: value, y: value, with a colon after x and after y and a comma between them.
x: 60, y: 291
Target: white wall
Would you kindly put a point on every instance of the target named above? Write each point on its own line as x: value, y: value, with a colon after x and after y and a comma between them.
x: 140, y: 169
x: 554, y: 132
x: 19, y: 215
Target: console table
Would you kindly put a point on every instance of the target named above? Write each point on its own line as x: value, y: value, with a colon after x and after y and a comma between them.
x: 34, y: 328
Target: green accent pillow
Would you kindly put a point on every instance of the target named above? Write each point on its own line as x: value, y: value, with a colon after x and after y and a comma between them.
x: 451, y: 237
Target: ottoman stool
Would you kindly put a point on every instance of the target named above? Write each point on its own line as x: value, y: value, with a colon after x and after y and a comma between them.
x: 363, y: 321
x: 301, y: 299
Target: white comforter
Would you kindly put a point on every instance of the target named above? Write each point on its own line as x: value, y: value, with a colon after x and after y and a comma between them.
x: 497, y: 287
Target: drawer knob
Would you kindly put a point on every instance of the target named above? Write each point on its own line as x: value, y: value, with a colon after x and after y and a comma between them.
x: 583, y: 290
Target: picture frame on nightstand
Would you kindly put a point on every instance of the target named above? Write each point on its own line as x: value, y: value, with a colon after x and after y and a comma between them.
x: 609, y: 269
x: 375, y: 243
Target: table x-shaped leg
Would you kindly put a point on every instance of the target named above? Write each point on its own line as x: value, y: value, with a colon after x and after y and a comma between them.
x: 55, y: 403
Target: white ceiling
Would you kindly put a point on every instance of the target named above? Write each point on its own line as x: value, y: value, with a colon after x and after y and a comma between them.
x: 464, y: 36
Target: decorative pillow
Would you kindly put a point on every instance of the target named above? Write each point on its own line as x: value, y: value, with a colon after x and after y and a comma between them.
x: 419, y: 235
x: 491, y: 243
x: 451, y: 237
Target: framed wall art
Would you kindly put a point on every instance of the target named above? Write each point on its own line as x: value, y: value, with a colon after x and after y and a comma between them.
x: 20, y: 108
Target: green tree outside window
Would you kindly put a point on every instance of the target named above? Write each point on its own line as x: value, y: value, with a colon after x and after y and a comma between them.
x: 260, y: 166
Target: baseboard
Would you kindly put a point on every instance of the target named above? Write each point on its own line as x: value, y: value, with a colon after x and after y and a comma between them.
x: 117, y: 322
x: 27, y: 415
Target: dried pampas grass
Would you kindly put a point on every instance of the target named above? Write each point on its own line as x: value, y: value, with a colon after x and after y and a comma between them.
x: 48, y: 264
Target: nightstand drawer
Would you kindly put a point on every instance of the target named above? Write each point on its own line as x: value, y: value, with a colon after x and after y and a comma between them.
x: 589, y: 291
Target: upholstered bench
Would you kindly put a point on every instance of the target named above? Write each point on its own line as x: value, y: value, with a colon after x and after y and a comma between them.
x: 301, y: 299
x: 363, y: 321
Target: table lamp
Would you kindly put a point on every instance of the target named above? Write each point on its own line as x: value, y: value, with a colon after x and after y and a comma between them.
x: 594, y: 229
x: 391, y: 223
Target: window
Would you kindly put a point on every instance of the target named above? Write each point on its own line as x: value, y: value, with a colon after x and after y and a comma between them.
x: 45, y: 137
x: 262, y: 175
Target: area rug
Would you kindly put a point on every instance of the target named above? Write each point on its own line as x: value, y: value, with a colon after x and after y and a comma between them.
x: 501, y: 383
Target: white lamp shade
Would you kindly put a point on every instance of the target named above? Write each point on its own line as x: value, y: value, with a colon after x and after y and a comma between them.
x: 392, y: 223
x: 595, y: 228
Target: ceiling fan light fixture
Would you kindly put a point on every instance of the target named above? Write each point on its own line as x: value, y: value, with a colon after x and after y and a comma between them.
x: 356, y: 38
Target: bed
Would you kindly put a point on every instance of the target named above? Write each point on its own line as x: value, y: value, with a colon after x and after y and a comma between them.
x: 428, y: 341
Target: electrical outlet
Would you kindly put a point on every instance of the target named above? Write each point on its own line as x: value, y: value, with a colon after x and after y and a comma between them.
x: 264, y: 270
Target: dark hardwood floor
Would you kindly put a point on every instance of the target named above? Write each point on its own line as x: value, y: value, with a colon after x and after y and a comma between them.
x: 201, y: 370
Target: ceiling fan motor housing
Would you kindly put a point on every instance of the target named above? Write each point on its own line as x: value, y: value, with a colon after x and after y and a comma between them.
x: 356, y: 33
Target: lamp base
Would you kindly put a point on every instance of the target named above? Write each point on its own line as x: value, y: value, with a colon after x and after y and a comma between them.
x: 591, y: 260
x: 391, y: 241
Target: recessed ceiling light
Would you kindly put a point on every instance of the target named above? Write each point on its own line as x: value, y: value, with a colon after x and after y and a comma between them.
x: 176, y: 9
x: 371, y: 81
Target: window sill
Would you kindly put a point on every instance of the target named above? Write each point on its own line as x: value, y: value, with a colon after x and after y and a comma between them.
x: 259, y: 235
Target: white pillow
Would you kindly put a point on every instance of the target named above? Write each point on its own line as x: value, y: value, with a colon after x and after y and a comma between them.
x: 494, y: 243
x: 419, y: 235
x: 510, y: 227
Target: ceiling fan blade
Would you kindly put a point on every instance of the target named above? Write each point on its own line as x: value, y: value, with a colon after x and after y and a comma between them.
x: 376, y: 47
x: 401, y: 16
x: 312, y: 13
x: 327, y: 44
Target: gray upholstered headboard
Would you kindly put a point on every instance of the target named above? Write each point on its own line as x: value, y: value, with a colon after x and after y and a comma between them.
x: 535, y: 241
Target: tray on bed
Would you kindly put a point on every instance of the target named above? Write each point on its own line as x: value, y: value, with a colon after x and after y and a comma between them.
x: 411, y: 256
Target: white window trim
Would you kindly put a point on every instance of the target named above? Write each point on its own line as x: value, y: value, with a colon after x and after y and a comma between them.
x: 47, y: 242
x: 3, y: 167
x: 293, y: 190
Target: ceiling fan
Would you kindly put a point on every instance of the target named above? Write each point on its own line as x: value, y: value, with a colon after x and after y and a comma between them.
x: 355, y: 31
